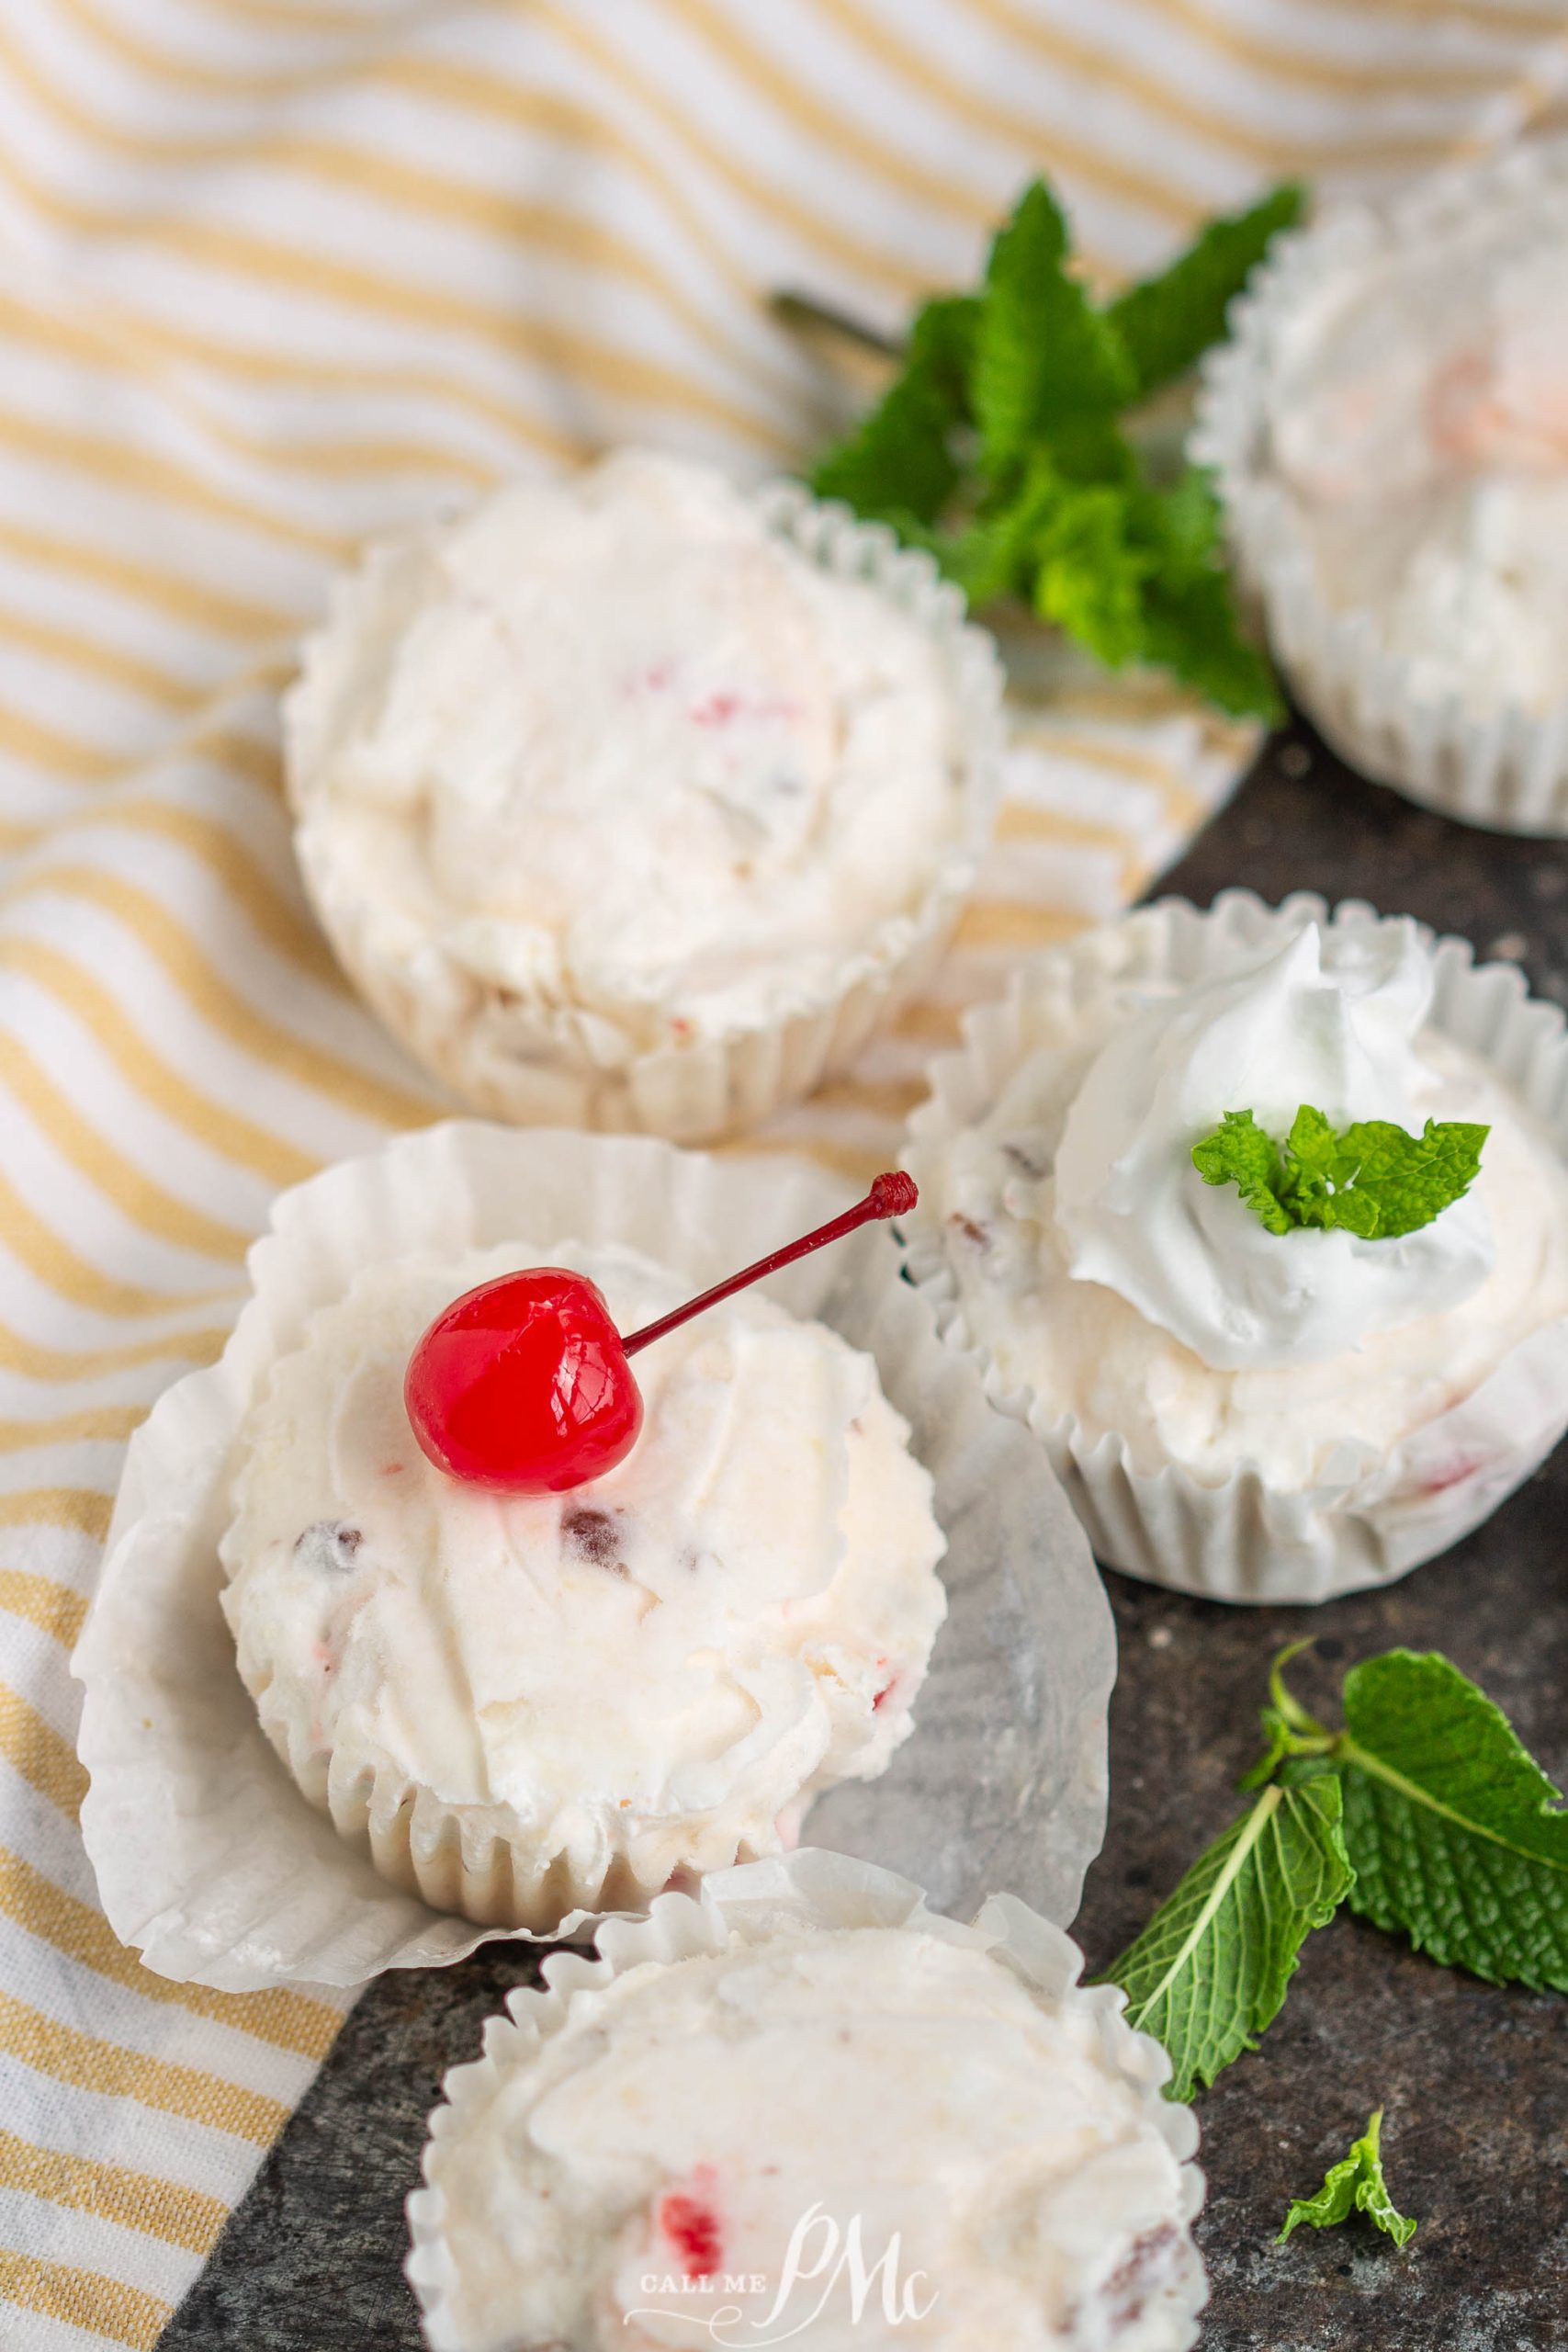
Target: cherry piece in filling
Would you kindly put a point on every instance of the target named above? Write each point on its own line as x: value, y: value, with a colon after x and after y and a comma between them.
x: 691, y: 2226
x: 522, y: 1385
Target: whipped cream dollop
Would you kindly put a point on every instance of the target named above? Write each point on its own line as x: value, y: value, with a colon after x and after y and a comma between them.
x: 1418, y: 415
x: 612, y: 743
x: 1104, y: 1279
x: 1330, y: 1018
x: 654, y: 1672
x: 657, y: 2158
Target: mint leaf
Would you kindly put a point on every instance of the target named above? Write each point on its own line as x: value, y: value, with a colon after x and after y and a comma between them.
x: 993, y: 554
x: 1373, y: 1179
x: 1046, y: 363
x: 1167, y: 322
x: 985, y: 559
x: 1457, y: 1836
x: 942, y: 339
x: 1355, y: 2184
x: 1185, y: 525
x: 1134, y: 574
x: 1239, y: 1153
x: 1090, y: 577
x: 1211, y: 1969
x: 1409, y: 1179
x: 1313, y: 1145
x: 899, y: 462
x: 1317, y: 1169
x: 1195, y: 631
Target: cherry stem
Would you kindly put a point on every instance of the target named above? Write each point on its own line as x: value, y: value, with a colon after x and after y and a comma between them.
x: 893, y: 1195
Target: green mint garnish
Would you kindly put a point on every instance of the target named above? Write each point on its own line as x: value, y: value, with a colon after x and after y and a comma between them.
x: 1424, y: 1812
x: 1355, y: 2184
x: 1002, y: 449
x: 1212, y: 1968
x: 1372, y: 1178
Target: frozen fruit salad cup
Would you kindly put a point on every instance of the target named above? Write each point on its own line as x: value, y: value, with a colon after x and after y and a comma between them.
x: 1236, y: 1523
x: 1396, y: 715
x: 210, y: 1859
x: 645, y: 833
x: 803, y: 2070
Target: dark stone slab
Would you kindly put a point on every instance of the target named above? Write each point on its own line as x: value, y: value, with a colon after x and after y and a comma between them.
x: 1474, y: 2078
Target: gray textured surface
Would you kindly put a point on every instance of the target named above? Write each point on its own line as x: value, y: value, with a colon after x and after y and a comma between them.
x: 1474, y: 2078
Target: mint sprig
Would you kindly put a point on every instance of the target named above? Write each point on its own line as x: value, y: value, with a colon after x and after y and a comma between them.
x: 1372, y: 1178
x: 1424, y: 1812
x: 1211, y: 1970
x: 1008, y: 447
x: 1355, y: 2184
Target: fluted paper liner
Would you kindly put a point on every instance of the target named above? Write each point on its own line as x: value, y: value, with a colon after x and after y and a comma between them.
x: 1239, y: 1539
x: 533, y: 1065
x: 808, y: 1889
x: 219, y: 1872
x: 1505, y: 768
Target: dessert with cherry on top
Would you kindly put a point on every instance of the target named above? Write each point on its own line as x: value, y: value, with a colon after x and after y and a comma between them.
x: 546, y: 1638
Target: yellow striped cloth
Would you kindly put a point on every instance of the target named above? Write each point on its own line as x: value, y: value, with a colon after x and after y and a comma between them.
x: 276, y: 273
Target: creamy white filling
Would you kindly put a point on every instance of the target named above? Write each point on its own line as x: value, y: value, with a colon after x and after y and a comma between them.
x: 609, y: 743
x: 1417, y: 417
x: 657, y: 1665
x: 656, y: 2159
x: 1414, y: 1344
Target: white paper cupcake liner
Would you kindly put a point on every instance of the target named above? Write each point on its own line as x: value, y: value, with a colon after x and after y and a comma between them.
x: 1508, y: 768
x: 1241, y: 1540
x: 214, y: 1865
x: 808, y: 1889
x: 567, y: 1065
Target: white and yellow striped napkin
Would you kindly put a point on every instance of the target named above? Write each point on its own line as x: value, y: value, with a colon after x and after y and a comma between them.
x: 277, y: 273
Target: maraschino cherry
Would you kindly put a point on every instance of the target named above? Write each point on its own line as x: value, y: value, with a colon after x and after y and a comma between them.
x: 522, y: 1385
